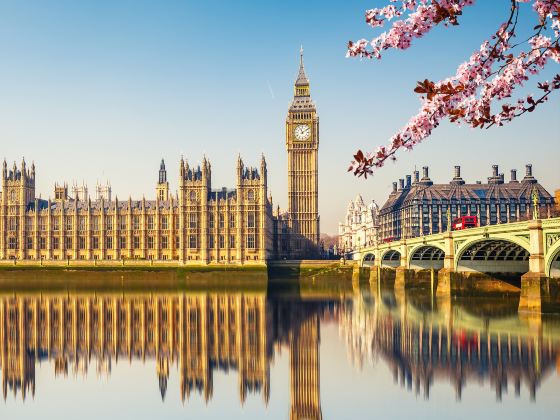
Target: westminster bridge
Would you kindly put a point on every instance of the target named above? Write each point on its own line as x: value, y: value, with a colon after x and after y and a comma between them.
x: 531, y: 248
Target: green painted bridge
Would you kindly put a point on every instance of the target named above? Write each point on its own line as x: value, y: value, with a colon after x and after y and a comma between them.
x: 531, y: 248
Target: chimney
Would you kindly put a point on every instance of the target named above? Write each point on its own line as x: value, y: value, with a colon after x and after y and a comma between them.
x: 408, y: 181
x: 528, y: 170
x: 416, y: 177
x: 394, y: 187
x: 457, y: 172
x: 495, y: 171
x: 513, y: 175
x: 457, y: 180
x: 401, y: 184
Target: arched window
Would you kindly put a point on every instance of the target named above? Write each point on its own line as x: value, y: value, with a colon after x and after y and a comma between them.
x: 192, y: 196
x: 251, y: 195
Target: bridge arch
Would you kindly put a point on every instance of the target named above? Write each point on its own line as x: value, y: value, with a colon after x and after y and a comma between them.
x: 493, y: 255
x: 391, y: 258
x: 426, y: 257
x: 368, y: 259
x: 552, y: 261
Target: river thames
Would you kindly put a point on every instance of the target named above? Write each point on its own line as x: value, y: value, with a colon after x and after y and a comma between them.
x: 140, y: 345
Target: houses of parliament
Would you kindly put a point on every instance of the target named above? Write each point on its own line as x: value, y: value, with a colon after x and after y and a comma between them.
x: 199, y: 225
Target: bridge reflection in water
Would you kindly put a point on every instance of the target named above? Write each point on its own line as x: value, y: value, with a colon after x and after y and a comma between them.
x: 201, y: 332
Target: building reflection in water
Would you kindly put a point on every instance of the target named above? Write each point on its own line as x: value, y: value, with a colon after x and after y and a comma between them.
x: 203, y: 332
x: 451, y: 345
x: 200, y: 332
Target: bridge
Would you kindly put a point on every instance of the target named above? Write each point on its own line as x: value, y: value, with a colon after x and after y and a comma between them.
x: 531, y: 248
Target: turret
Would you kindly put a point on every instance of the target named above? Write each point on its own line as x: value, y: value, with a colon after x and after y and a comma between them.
x: 182, y: 168
x: 162, y: 188
x: 263, y: 171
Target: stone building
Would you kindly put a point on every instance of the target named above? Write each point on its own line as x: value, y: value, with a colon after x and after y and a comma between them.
x: 417, y: 206
x: 360, y: 227
x: 296, y: 231
x: 199, y: 225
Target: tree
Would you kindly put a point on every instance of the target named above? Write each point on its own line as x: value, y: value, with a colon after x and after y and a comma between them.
x: 479, y: 93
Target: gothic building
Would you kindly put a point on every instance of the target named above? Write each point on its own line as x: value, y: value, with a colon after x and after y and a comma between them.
x: 360, y: 227
x: 420, y: 207
x: 198, y: 226
x: 297, y: 229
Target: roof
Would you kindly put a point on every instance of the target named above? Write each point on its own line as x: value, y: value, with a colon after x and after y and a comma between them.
x: 510, y: 191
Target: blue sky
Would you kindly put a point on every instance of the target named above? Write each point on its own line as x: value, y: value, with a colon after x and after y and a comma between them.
x: 96, y: 90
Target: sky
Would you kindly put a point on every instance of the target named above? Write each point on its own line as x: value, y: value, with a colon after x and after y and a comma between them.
x: 103, y: 90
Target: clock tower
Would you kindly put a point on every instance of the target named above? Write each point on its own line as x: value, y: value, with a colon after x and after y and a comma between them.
x: 302, y: 144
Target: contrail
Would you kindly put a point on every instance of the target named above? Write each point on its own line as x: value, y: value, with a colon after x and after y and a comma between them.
x: 270, y: 89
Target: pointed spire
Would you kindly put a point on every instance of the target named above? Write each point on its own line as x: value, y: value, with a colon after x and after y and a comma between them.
x: 302, y: 79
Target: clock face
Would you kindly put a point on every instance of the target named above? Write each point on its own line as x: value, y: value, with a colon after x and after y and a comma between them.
x: 302, y: 132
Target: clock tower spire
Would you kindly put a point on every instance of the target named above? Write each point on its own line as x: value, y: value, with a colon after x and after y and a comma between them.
x: 302, y: 144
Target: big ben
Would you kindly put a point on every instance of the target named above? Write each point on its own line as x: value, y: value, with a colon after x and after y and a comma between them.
x: 302, y: 144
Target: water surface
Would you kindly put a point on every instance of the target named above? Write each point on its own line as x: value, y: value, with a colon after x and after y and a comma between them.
x: 119, y: 345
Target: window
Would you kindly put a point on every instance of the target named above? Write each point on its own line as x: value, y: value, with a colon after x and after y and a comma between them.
x: 29, y: 242
x: 232, y: 220
x: 192, y: 241
x: 150, y: 222
x: 109, y: 242
x: 109, y: 222
x: 150, y: 242
x: 12, y: 243
x: 29, y: 224
x: 122, y: 242
x: 177, y: 242
x: 251, y: 220
x: 82, y: 223
x: 13, y: 223
x: 135, y: 222
x: 192, y: 196
x: 95, y: 242
x: 136, y: 242
x: 94, y: 222
x: 250, y: 195
x: 221, y: 241
x: 56, y: 224
x: 211, y: 241
x: 221, y: 221
x: 122, y: 222
x: 192, y: 220
x: 82, y: 242
x: 68, y: 242
x: 55, y: 242
x: 231, y: 241
x: 251, y: 241
x: 211, y: 220
x: 68, y: 222
x: 164, y: 242
x: 42, y: 223
x: 42, y: 242
x: 164, y: 223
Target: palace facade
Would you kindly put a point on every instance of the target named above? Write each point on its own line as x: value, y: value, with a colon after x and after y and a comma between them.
x: 198, y: 225
x: 419, y: 207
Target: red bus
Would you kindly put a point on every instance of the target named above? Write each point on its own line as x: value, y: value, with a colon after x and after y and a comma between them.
x: 464, y: 222
x: 390, y: 239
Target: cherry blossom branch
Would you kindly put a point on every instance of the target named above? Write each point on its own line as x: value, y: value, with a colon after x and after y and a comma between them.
x: 468, y: 96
